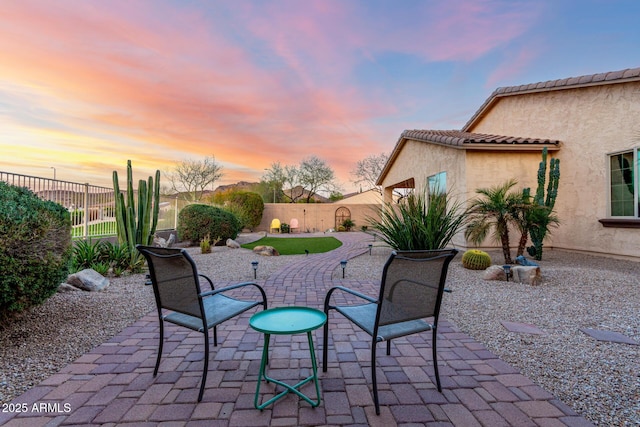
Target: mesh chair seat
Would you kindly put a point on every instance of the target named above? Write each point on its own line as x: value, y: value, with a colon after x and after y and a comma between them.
x: 218, y: 308
x: 365, y: 317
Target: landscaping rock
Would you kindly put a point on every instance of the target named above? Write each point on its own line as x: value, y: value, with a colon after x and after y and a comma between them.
x: 530, y: 275
x: 164, y: 243
x: 233, y: 244
x: 494, y: 272
x: 266, y: 251
x: 65, y: 287
x: 88, y: 280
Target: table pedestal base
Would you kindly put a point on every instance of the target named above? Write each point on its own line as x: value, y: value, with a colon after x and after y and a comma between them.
x: 288, y: 388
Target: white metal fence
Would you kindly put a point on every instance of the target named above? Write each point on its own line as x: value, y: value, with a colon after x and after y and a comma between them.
x: 92, y: 208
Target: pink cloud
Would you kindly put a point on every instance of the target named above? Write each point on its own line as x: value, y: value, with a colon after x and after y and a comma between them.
x: 251, y: 83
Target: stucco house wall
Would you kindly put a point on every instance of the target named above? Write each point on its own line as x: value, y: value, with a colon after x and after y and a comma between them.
x: 418, y: 161
x: 591, y: 122
x: 581, y: 120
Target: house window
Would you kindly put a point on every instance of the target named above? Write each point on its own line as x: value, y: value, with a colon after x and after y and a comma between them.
x: 437, y: 183
x: 623, y: 184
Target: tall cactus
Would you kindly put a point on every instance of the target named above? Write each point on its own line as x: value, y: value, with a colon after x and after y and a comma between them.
x: 541, y: 214
x: 136, y: 223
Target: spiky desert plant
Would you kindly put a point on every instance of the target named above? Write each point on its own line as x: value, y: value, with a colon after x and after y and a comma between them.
x: 542, y: 216
x: 137, y: 222
x: 475, y: 259
x: 421, y: 222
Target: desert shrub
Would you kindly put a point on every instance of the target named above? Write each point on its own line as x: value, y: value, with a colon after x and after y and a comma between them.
x: 197, y: 221
x: 245, y: 205
x: 35, y: 249
x: 96, y: 255
x: 85, y: 254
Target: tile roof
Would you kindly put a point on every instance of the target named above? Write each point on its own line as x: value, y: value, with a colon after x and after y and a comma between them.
x: 467, y: 139
x: 600, y: 79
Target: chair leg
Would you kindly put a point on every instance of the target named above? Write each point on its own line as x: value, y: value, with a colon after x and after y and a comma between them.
x: 215, y: 336
x: 388, y: 347
x: 435, y: 359
x: 160, y: 346
x: 373, y: 377
x: 325, y: 344
x: 206, y: 364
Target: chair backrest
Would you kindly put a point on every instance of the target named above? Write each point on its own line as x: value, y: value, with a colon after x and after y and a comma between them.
x: 412, y: 285
x: 293, y: 223
x: 175, y: 279
x: 275, y: 223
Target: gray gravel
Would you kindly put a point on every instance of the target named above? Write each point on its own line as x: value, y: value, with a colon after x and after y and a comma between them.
x: 599, y: 380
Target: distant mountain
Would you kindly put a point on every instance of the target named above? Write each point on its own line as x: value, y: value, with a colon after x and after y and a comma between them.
x: 242, y: 185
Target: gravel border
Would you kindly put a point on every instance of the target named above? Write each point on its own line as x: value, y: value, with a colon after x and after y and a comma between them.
x: 599, y: 380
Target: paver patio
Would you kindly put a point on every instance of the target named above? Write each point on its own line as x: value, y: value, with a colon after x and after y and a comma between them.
x: 113, y: 384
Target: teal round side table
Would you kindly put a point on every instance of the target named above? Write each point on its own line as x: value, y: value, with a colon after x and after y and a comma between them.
x: 287, y: 321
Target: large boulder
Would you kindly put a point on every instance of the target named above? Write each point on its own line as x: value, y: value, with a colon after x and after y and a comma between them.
x: 266, y: 250
x: 494, y: 272
x: 527, y: 274
x: 88, y: 280
x: 233, y: 244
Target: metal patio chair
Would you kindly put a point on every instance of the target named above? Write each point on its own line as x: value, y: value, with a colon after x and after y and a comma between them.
x: 410, y: 292
x: 180, y: 300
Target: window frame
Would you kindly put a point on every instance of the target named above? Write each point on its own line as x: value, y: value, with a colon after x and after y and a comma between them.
x: 437, y: 181
x: 635, y: 167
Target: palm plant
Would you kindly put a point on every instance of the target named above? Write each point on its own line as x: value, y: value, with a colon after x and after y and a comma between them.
x: 421, y: 222
x: 495, y: 210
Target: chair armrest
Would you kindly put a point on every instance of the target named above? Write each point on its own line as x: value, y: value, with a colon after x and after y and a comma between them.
x: 349, y: 291
x: 237, y: 285
x: 208, y: 280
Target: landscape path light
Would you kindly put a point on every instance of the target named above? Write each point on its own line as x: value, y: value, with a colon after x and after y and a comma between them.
x: 507, y: 271
x: 254, y: 264
x: 343, y: 264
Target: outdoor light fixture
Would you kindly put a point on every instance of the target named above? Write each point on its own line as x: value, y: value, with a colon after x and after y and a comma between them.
x: 254, y: 264
x: 507, y: 271
x: 343, y: 264
x: 370, y: 247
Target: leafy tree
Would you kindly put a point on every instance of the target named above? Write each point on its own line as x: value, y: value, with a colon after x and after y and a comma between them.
x: 368, y: 170
x: 302, y: 182
x: 272, y: 182
x: 494, y: 210
x: 315, y: 175
x: 192, y: 177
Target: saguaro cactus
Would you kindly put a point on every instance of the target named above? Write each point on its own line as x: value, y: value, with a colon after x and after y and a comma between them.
x: 136, y: 223
x: 541, y: 215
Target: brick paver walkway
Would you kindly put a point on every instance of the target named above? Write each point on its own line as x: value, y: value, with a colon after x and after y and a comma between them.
x: 114, y: 385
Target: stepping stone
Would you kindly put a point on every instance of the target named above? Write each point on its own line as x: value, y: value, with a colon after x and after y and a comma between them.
x: 609, y: 336
x: 522, y: 328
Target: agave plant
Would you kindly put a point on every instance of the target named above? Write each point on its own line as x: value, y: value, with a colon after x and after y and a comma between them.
x: 421, y: 222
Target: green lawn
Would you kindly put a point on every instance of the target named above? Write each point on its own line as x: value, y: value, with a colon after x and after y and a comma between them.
x: 297, y: 245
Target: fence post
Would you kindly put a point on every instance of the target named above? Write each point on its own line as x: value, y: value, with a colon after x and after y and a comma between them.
x: 86, y: 211
x: 175, y: 219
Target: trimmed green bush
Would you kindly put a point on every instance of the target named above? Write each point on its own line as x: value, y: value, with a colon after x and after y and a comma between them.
x: 35, y: 249
x: 247, y: 206
x: 197, y: 221
x: 475, y: 259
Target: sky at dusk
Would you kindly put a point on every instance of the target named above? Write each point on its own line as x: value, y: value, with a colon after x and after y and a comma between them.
x: 87, y: 85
